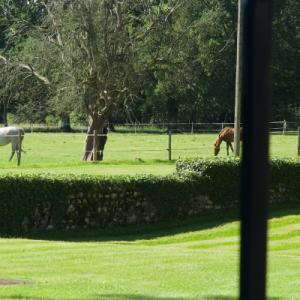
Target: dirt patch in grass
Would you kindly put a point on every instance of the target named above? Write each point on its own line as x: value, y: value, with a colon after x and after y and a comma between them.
x: 12, y: 282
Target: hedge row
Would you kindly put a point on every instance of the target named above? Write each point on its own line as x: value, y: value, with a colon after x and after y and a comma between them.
x: 69, y: 202
x: 222, y: 178
x: 31, y: 202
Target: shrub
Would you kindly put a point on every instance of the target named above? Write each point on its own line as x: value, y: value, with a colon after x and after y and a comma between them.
x: 69, y: 202
x: 31, y: 202
x: 223, y: 176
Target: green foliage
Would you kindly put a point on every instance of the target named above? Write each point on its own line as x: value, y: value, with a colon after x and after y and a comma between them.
x: 196, y: 50
x: 21, y: 195
x: 66, y: 201
x: 286, y: 63
x: 285, y: 179
x: 179, y: 68
x: 37, y: 202
x: 52, y: 120
x: 223, y: 177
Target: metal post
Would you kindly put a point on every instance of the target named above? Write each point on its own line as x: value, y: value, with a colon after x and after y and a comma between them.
x: 298, y: 141
x: 192, y: 130
x: 238, y: 80
x: 170, y: 144
x: 95, y: 146
x: 255, y: 168
x: 284, y: 126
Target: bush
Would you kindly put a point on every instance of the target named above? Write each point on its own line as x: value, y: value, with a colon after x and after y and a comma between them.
x: 39, y: 202
x: 220, y: 177
x: 52, y: 120
x: 223, y: 178
x: 69, y: 202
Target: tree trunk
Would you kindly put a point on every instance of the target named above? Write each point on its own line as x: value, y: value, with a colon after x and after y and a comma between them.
x: 92, y: 144
x: 65, y: 123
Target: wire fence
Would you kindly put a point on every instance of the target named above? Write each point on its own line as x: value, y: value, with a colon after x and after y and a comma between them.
x: 277, y: 127
x: 138, y: 146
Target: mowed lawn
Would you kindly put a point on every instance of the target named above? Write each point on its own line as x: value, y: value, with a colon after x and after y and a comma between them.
x: 124, y: 154
x: 197, y: 259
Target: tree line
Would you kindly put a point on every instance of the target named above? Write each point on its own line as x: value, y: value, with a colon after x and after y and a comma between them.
x: 135, y: 60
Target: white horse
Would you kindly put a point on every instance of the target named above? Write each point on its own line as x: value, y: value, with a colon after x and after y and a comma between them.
x: 13, y: 135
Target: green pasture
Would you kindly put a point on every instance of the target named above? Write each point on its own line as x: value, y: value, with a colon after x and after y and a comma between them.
x: 196, y: 259
x: 124, y: 153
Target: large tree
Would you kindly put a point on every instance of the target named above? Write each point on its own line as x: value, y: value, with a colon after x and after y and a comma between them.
x: 193, y: 79
x: 22, y: 88
x: 286, y: 59
x: 99, y: 41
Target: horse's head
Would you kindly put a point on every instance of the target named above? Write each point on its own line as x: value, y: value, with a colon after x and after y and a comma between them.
x: 216, y: 148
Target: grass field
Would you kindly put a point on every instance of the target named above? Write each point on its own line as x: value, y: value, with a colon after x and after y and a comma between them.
x: 192, y: 260
x: 124, y: 154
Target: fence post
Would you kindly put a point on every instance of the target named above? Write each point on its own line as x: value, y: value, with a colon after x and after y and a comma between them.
x: 170, y: 144
x: 134, y: 127
x: 95, y: 146
x: 19, y: 148
x: 298, y: 141
x: 222, y: 125
x: 284, y: 127
x: 192, y: 130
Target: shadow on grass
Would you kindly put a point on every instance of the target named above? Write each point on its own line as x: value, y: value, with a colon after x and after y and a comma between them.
x: 137, y: 232
x: 141, y: 297
x: 147, y: 232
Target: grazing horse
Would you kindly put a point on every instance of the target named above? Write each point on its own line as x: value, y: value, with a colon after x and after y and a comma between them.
x: 226, y: 135
x: 12, y: 135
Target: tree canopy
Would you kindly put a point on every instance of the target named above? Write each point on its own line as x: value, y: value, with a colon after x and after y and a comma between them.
x: 135, y: 60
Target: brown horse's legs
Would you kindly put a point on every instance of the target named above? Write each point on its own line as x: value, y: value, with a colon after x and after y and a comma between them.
x: 228, y: 144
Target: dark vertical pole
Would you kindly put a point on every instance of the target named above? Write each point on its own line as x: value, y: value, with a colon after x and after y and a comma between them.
x: 238, y: 80
x: 170, y: 144
x: 298, y: 141
x: 255, y: 168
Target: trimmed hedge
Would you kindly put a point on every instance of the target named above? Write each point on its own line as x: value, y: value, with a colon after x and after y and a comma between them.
x: 223, y: 178
x: 69, y: 202
x: 44, y: 202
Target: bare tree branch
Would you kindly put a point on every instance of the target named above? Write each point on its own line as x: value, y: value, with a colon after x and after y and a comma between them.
x: 27, y: 67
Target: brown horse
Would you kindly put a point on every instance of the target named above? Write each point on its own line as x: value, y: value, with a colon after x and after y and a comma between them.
x: 226, y: 135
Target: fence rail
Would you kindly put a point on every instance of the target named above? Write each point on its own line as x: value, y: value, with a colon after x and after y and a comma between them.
x: 170, y: 148
x: 161, y: 127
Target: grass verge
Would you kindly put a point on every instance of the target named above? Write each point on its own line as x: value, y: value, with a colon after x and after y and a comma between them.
x: 195, y: 259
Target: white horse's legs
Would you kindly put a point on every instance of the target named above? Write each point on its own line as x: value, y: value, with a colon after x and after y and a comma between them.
x: 12, y: 155
x: 14, y: 149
